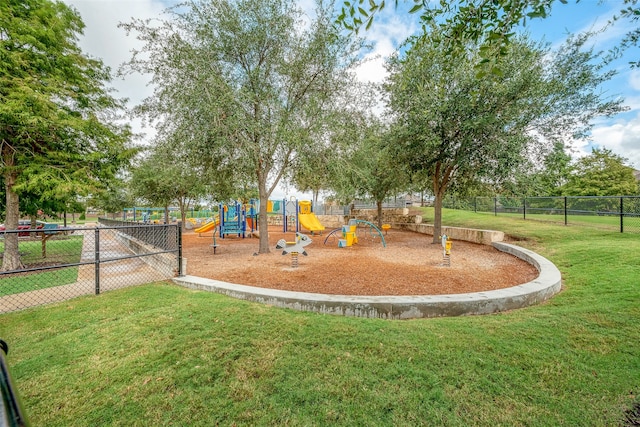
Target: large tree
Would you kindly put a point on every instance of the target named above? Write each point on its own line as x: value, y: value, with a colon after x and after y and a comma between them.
x: 461, y: 129
x: 250, y: 79
x: 168, y: 174
x: 492, y: 23
x: 368, y: 168
x: 536, y: 177
x: 57, y: 136
x: 602, y: 173
x: 373, y: 170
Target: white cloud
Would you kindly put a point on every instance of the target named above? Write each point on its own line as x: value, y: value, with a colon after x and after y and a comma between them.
x: 390, y: 29
x: 103, y: 39
x: 634, y: 79
x: 621, y: 137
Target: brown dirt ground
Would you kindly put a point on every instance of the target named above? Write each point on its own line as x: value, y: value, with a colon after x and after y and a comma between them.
x: 409, y: 265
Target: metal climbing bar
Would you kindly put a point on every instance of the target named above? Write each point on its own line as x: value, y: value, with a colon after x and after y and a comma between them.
x: 372, y: 228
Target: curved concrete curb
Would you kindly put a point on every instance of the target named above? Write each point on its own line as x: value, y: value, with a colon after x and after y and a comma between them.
x: 543, y: 287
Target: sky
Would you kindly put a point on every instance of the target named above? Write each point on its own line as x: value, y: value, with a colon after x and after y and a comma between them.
x: 103, y: 39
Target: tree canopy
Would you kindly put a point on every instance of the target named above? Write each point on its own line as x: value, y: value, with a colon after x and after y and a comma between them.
x: 58, y: 135
x: 167, y: 174
x: 461, y: 129
x: 601, y: 173
x: 630, y: 12
x: 248, y: 81
x: 490, y: 24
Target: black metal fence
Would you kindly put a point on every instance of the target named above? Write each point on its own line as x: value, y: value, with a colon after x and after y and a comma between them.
x: 157, y: 235
x: 619, y: 213
x: 62, y: 263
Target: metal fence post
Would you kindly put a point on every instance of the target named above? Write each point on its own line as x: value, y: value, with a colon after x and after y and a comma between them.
x: 180, y: 274
x: 97, y: 259
x: 621, y: 215
x: 524, y: 208
x: 495, y: 206
x: 565, y: 210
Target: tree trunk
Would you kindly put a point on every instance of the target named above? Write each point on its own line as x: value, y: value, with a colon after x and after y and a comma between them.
x: 263, y: 223
x: 437, y: 217
x: 439, y: 189
x: 11, y: 258
x: 183, y: 212
x: 441, y: 178
x: 379, y: 203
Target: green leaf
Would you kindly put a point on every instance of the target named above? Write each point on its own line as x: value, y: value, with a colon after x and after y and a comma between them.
x: 369, y: 22
x: 415, y: 8
x: 497, y: 71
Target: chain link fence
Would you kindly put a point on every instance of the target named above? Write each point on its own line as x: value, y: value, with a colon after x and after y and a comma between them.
x: 56, y: 264
x: 615, y: 213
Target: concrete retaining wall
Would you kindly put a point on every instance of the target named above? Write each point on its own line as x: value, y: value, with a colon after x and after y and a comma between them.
x: 164, y: 263
x: 547, y: 284
x: 332, y: 221
x: 485, y: 237
x: 543, y: 287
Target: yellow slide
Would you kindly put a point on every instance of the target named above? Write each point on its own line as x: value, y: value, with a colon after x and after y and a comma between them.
x: 207, y: 227
x: 310, y: 222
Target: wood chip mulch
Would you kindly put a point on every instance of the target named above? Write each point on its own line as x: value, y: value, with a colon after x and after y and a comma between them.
x: 410, y: 264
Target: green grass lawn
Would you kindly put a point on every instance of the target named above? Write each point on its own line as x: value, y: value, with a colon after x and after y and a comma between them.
x: 64, y: 250
x: 162, y: 355
x: 605, y: 222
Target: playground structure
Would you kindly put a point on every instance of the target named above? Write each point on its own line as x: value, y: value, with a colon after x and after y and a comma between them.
x: 234, y: 218
x: 208, y: 226
x: 237, y: 218
x: 349, y: 235
x: 294, y: 214
x: 199, y: 218
x: 308, y: 219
